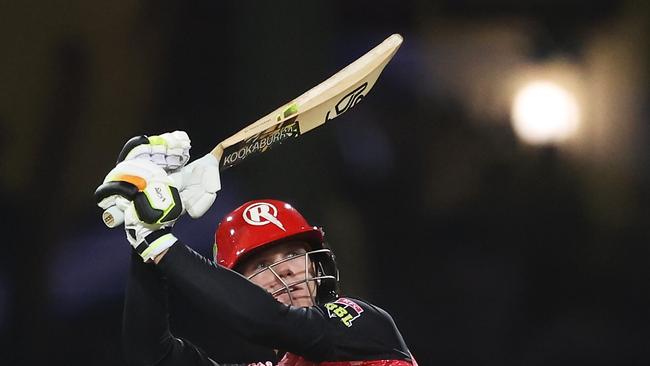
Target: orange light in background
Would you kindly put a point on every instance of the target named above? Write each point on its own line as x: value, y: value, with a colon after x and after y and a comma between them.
x: 545, y: 113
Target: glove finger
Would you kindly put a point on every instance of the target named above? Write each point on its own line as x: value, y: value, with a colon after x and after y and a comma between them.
x: 138, y: 151
x: 159, y: 149
x: 107, y: 202
x: 177, y: 139
x: 159, y: 159
x: 175, y: 151
x: 122, y: 203
x: 174, y: 161
x: 182, y: 154
x: 114, y: 207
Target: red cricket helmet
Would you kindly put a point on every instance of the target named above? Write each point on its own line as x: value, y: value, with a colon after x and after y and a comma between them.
x: 260, y: 223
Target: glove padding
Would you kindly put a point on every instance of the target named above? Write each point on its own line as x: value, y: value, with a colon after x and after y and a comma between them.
x: 148, y: 240
x: 153, y: 192
x: 170, y: 151
x: 199, y: 182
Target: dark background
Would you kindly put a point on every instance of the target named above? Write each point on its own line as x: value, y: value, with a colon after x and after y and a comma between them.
x: 486, y: 250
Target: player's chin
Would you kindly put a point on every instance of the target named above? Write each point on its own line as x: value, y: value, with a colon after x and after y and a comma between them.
x: 303, y: 302
x: 296, y: 299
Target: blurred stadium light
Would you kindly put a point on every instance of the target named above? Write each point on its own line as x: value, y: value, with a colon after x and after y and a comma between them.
x: 544, y: 112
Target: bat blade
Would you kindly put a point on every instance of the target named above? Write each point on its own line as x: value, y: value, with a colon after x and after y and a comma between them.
x: 324, y: 102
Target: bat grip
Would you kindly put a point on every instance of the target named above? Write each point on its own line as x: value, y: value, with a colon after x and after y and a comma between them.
x: 217, y: 152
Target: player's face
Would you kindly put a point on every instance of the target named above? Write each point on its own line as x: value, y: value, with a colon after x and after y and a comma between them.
x: 282, y: 269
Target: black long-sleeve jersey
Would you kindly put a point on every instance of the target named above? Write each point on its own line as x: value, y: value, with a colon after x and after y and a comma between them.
x: 346, y: 329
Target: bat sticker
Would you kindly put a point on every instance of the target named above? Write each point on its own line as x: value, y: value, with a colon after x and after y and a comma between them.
x: 260, y: 143
x: 348, y: 101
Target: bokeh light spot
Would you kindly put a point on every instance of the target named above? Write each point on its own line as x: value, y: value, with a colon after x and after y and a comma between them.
x: 544, y: 112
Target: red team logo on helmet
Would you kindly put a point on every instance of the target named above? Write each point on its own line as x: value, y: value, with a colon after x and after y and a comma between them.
x: 262, y: 213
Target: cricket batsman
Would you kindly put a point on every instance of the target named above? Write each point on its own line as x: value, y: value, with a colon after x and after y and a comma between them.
x: 273, y: 279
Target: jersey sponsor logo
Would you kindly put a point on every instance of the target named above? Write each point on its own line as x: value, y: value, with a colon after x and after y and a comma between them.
x: 262, y: 213
x: 345, y: 309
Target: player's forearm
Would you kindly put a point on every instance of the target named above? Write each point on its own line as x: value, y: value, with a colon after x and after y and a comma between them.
x: 145, y: 329
x: 237, y: 302
x: 217, y: 290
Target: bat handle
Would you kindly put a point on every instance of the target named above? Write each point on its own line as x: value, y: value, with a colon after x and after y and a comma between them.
x: 113, y: 217
x: 217, y: 152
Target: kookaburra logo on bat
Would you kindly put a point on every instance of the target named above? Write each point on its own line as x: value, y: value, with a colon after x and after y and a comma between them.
x: 261, y: 142
x: 348, y: 101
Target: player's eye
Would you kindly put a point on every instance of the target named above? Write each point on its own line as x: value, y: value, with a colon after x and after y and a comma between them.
x: 294, y: 253
x: 261, y: 265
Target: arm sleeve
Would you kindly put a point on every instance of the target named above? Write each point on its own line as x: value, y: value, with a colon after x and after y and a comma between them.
x: 146, y: 337
x: 245, y: 307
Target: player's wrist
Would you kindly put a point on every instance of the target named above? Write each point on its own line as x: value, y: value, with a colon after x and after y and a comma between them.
x: 160, y: 256
x: 156, y: 244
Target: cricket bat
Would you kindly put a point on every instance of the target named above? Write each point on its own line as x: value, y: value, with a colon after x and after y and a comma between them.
x: 313, y: 108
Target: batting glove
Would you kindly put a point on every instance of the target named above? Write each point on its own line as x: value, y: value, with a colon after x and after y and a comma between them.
x: 152, y: 204
x: 197, y: 182
x: 170, y: 151
x: 152, y: 191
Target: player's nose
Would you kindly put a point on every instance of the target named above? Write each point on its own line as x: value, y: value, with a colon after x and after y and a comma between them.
x: 285, y: 270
